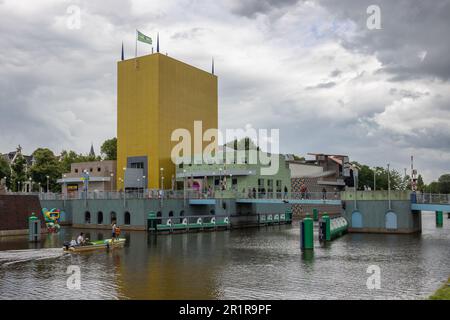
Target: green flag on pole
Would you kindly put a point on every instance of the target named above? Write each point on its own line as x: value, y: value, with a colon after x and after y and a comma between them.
x: 143, y: 38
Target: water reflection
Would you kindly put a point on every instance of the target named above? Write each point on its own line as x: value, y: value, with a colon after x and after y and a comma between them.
x: 251, y: 263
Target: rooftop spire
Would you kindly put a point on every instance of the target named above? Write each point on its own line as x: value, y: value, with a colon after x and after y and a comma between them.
x: 212, y: 66
x: 123, y: 55
x: 92, y: 153
x: 157, y: 43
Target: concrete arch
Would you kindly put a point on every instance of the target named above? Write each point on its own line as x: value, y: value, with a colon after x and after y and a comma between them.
x: 357, y: 221
x: 390, y: 220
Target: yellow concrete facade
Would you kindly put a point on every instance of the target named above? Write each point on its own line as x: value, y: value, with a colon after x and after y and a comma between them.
x: 157, y: 94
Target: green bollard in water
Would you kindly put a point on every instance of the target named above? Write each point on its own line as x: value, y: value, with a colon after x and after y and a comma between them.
x: 315, y: 214
x: 327, y: 220
x: 439, y: 218
x: 307, y: 234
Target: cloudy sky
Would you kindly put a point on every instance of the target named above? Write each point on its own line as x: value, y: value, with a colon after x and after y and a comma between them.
x: 313, y: 69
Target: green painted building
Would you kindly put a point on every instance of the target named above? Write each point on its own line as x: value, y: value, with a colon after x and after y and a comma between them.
x: 238, y: 177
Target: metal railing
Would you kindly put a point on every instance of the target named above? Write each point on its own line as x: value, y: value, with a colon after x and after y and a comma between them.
x: 433, y: 198
x: 189, y: 194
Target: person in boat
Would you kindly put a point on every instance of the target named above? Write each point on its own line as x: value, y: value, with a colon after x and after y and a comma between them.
x: 80, y: 240
x: 113, y: 235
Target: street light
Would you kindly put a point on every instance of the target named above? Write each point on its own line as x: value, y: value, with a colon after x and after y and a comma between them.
x: 162, y: 178
x: 124, y: 173
x: 375, y: 171
x: 48, y: 177
x: 144, y: 184
x: 184, y: 187
x: 111, y: 184
x: 389, y: 186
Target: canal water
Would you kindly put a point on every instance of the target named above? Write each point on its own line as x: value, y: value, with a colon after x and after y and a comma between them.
x: 259, y: 263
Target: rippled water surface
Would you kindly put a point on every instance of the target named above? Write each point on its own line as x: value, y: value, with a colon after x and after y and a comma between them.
x: 238, y: 264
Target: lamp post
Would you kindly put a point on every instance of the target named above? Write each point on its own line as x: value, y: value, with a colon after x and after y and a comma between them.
x: 184, y: 187
x: 162, y: 178
x: 111, y: 182
x: 389, y: 186
x: 124, y: 189
x: 144, y: 185
x: 6, y: 183
x: 64, y: 189
x: 48, y: 183
x: 138, y: 184
x: 375, y: 171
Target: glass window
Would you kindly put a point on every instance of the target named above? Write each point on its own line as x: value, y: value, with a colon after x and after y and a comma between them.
x: 127, y: 218
x: 87, y: 217
x: 99, y: 217
x: 270, y: 185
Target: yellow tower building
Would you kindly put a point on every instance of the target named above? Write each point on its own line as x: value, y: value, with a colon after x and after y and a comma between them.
x: 157, y: 94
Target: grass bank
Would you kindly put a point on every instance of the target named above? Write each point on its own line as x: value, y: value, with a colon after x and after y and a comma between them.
x: 443, y: 293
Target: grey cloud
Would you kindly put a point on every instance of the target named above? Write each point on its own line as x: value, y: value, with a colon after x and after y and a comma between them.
x: 408, y: 28
x: 335, y: 73
x: 250, y: 8
x: 323, y: 85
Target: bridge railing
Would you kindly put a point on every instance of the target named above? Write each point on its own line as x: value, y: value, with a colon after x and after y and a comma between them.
x: 433, y: 198
x: 190, y: 194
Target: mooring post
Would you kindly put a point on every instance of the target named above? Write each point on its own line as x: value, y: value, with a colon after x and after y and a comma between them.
x: 439, y: 218
x: 307, y: 234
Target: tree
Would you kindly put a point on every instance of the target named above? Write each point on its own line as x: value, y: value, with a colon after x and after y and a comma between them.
x: 5, y: 171
x: 420, y: 183
x: 298, y: 158
x: 109, y: 149
x: 46, y: 164
x: 66, y: 159
x: 433, y: 187
x: 242, y: 144
x: 18, y: 172
x: 444, y: 183
x: 365, y: 176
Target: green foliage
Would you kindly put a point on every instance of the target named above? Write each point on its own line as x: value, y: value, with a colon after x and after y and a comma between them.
x: 420, y: 183
x: 45, y: 164
x: 444, y: 183
x: 109, y: 149
x: 242, y: 144
x: 68, y: 157
x: 18, y: 172
x: 5, y: 171
x: 366, y: 178
x: 298, y: 158
x: 443, y: 293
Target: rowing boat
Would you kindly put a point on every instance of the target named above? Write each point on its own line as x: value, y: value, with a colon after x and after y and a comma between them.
x: 97, y: 245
